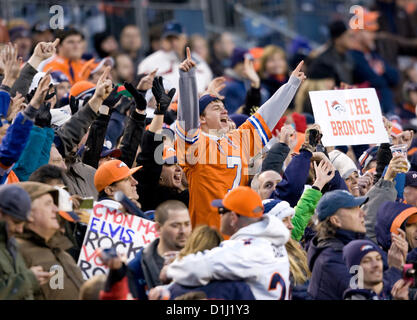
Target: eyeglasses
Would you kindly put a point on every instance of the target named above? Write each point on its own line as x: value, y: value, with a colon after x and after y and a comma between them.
x: 223, y: 210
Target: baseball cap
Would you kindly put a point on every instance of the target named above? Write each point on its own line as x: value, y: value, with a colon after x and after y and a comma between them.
x: 19, y: 32
x: 107, y: 150
x: 58, y: 77
x: 411, y: 179
x: 335, y: 200
x: 110, y: 172
x: 37, y: 189
x: 15, y: 201
x: 172, y: 28
x: 238, y: 56
x: 355, y: 250
x: 205, y: 100
x: 82, y: 89
x: 37, y: 78
x: 242, y: 200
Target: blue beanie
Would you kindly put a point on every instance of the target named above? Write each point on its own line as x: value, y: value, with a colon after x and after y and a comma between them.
x: 205, y: 100
x: 355, y: 250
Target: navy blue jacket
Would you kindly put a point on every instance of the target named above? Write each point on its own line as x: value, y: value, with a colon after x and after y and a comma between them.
x: 391, y: 276
x: 329, y: 275
x: 219, y: 290
x: 387, y: 212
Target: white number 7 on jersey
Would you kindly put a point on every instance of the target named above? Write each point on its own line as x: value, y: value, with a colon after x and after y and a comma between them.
x: 232, y: 162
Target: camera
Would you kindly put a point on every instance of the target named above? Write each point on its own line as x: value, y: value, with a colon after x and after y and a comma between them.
x: 410, y: 274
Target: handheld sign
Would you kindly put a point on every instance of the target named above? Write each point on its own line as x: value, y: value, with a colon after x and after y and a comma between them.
x: 109, y: 227
x: 349, y: 117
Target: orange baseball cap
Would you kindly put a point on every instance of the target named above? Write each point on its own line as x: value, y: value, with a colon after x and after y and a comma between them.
x: 243, y: 201
x: 110, y: 172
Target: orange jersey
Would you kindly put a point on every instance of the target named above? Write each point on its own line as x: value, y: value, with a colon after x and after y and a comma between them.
x: 72, y: 69
x: 214, y: 166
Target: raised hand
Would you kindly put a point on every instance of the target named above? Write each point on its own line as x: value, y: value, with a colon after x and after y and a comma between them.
x: 43, y: 117
x: 397, y: 164
x: 298, y: 73
x: 104, y: 86
x: 43, y: 51
x: 406, y: 137
x: 140, y: 100
x: 324, y: 173
x: 250, y: 73
x: 11, y: 64
x: 288, y: 136
x: 188, y: 63
x: 216, y: 85
x: 16, y: 105
x: 113, y: 98
x: 146, y: 82
x: 41, y: 91
x: 400, y: 290
x: 163, y: 100
x: 365, y: 183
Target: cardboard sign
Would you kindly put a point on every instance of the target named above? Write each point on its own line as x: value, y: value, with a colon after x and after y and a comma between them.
x: 109, y: 227
x: 349, y: 117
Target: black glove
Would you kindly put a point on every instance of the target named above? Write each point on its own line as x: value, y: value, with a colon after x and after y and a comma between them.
x: 44, y: 117
x: 112, y: 99
x: 74, y: 104
x: 163, y: 100
x: 50, y: 95
x: 30, y: 95
x: 139, y: 98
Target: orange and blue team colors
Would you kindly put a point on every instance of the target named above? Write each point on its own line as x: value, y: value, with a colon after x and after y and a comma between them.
x: 214, y: 165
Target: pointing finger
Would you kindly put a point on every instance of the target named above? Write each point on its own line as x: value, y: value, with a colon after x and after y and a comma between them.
x: 188, y: 53
x: 300, y: 65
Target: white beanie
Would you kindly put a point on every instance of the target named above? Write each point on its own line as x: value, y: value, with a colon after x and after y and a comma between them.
x: 342, y: 163
x: 279, y: 209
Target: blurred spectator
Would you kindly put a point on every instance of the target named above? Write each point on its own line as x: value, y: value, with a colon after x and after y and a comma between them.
x: 273, y: 70
x: 335, y: 59
x: 199, y: 53
x: 236, y: 81
x: 68, y: 60
x: 168, y: 58
x: 396, y: 30
x: 123, y: 69
x: 21, y: 36
x: 105, y: 44
x: 131, y: 43
x: 221, y: 46
x: 369, y: 67
x: 41, y: 33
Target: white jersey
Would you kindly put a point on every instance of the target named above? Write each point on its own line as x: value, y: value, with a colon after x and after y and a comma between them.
x: 255, y: 253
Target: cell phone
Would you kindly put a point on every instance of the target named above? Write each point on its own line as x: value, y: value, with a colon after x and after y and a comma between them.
x: 410, y: 274
x: 87, y: 203
x: 108, y: 254
x: 314, y: 137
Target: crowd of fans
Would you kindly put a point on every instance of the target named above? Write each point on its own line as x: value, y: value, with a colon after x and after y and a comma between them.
x: 218, y: 145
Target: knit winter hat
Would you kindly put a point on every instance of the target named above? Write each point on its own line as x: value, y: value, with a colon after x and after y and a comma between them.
x: 342, y: 163
x: 355, y: 250
x: 279, y: 209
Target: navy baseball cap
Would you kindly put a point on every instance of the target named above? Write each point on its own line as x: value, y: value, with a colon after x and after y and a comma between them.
x: 335, y: 200
x: 239, y: 55
x: 15, y: 201
x: 411, y: 179
x: 172, y: 28
x: 205, y: 100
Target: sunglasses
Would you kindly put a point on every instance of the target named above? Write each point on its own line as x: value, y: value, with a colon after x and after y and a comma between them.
x: 223, y: 210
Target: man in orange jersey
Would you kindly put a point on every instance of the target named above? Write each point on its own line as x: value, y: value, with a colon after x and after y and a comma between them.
x: 68, y: 60
x: 215, y: 160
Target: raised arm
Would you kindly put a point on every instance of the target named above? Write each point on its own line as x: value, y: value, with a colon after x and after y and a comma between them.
x: 188, y: 111
x: 273, y: 109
